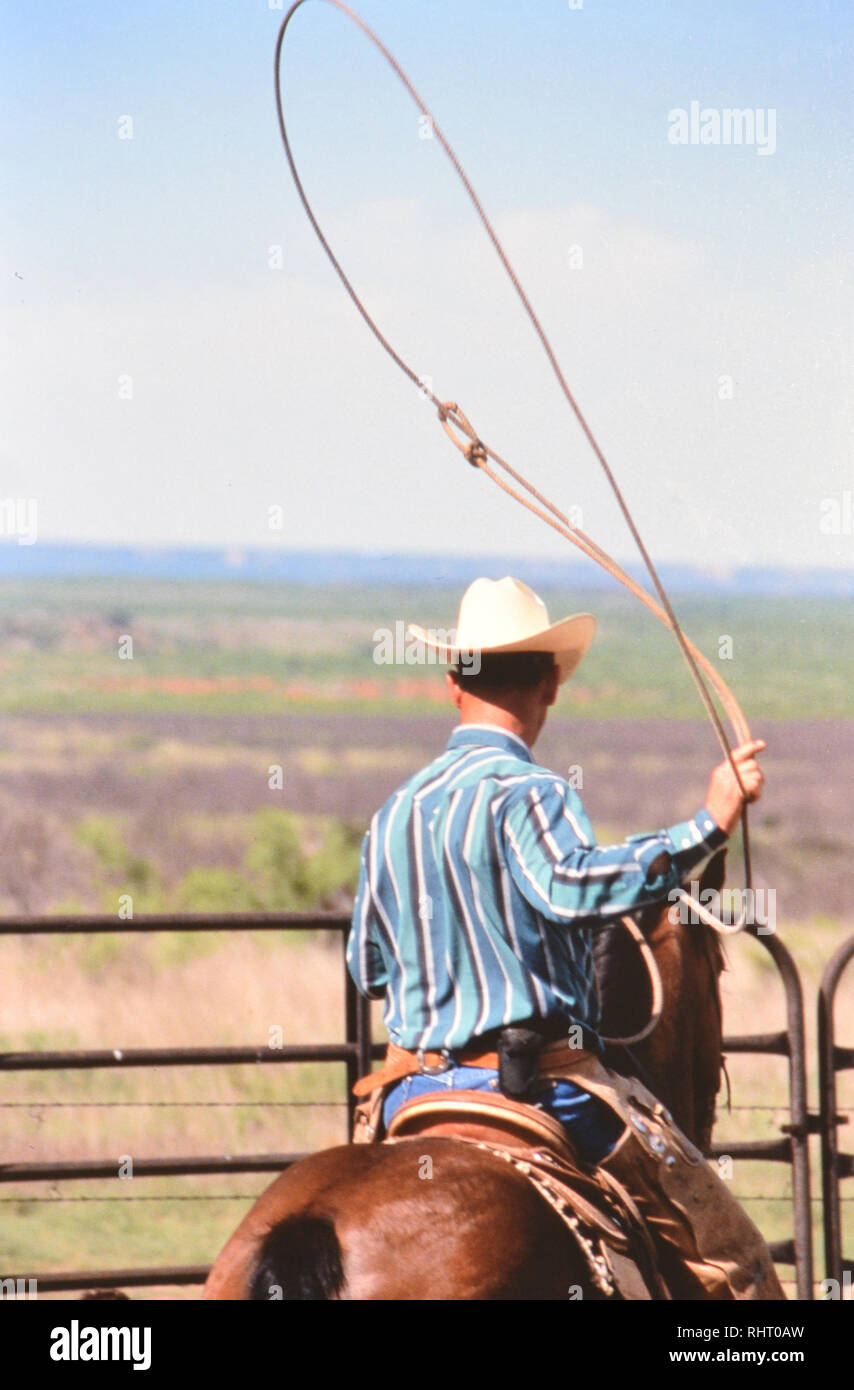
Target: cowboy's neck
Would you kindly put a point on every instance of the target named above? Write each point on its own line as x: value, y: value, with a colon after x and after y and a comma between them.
x: 524, y: 723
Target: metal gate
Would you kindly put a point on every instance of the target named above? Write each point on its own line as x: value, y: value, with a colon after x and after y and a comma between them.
x: 792, y: 1147
x: 832, y: 1059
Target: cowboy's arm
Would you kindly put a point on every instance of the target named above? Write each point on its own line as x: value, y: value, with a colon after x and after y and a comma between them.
x: 565, y: 876
x: 365, y: 959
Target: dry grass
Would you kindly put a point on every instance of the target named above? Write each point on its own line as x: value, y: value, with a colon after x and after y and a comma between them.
x: 175, y: 988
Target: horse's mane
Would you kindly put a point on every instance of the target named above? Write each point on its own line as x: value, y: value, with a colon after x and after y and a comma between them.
x: 622, y: 981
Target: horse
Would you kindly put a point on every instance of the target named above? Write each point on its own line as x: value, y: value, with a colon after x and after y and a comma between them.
x: 435, y: 1218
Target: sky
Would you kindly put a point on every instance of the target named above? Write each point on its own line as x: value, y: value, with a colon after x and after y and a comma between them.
x: 180, y: 364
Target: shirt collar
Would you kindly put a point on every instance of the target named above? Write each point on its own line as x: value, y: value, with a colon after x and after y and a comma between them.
x: 490, y: 736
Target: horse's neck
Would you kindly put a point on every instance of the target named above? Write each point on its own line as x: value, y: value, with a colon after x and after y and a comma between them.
x: 683, y: 1054
x: 681, y: 1060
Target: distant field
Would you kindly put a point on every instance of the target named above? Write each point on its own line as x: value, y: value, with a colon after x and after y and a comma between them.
x: 240, y: 699
x: 241, y: 648
x: 180, y: 810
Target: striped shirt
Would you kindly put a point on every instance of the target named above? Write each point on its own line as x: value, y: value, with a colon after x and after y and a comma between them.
x: 481, y: 886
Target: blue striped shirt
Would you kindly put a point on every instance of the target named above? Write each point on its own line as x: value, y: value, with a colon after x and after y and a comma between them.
x: 481, y: 886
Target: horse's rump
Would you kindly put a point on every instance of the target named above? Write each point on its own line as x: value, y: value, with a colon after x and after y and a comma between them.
x: 419, y: 1219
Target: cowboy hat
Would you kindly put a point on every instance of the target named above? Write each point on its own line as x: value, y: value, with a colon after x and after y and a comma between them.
x: 504, y: 615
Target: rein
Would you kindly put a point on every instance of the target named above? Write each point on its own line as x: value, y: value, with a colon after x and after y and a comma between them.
x: 478, y: 454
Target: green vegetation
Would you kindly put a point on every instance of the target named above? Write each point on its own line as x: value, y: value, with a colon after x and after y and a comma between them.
x: 260, y: 648
x: 130, y: 873
x: 290, y: 881
x: 278, y: 873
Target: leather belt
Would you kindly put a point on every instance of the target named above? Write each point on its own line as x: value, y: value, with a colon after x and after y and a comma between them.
x: 555, y: 1056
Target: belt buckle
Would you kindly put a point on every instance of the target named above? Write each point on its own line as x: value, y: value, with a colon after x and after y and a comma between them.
x: 445, y: 1065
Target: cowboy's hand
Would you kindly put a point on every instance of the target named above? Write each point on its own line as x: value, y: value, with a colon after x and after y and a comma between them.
x: 724, y: 798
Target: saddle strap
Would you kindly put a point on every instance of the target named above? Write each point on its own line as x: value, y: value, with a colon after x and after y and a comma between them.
x: 643, y: 1249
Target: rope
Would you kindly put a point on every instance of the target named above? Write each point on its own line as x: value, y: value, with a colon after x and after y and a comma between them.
x: 477, y: 452
x: 657, y: 1004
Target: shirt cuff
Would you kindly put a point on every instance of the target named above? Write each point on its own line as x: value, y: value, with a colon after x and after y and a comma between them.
x: 701, y: 833
x: 666, y: 858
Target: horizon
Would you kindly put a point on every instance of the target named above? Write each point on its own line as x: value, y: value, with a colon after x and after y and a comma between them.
x: 315, y: 567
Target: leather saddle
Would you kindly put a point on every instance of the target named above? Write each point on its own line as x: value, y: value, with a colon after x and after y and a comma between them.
x: 483, y: 1117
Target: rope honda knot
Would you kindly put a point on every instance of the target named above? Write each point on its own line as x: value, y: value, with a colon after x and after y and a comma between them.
x: 451, y: 417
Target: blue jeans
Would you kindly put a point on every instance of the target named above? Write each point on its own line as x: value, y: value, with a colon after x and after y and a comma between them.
x: 591, y: 1125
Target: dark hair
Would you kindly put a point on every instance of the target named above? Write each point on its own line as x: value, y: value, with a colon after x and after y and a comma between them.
x: 493, y: 671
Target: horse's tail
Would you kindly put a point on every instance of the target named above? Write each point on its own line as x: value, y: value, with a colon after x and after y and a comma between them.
x: 300, y: 1259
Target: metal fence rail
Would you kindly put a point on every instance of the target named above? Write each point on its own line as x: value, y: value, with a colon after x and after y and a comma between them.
x: 162, y: 1276
x: 354, y: 1051
x: 834, y: 1165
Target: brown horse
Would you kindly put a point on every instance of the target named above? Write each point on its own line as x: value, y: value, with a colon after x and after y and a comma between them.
x: 439, y: 1219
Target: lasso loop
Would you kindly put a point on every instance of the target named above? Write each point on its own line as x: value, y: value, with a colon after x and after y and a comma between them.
x: 478, y: 453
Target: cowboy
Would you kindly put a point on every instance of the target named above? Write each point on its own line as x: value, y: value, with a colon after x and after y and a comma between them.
x: 480, y: 888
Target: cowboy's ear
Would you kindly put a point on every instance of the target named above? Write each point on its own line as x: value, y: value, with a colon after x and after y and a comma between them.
x: 454, y: 687
x: 551, y: 685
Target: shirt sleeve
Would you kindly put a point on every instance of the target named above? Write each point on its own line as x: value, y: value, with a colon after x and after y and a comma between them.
x: 365, y: 959
x: 566, y: 877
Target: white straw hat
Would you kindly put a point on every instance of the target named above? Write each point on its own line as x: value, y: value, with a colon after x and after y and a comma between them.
x: 504, y: 615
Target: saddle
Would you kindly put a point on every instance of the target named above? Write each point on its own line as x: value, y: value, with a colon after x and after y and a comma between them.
x: 481, y: 1116
x: 597, y: 1210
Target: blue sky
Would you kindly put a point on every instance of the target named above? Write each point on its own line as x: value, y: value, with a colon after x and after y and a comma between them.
x: 147, y: 261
